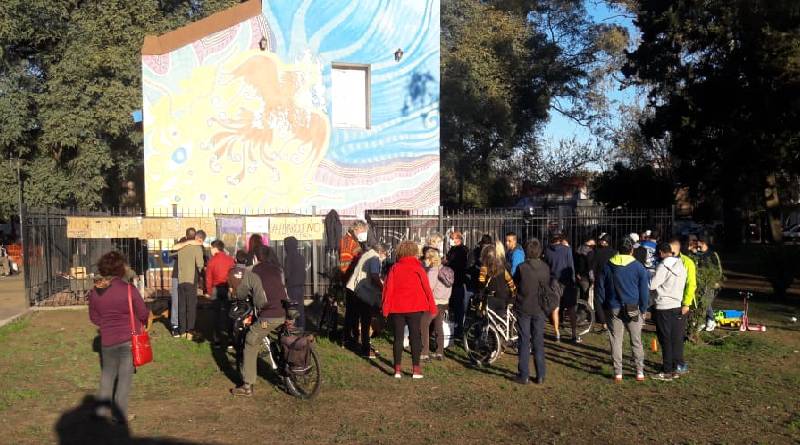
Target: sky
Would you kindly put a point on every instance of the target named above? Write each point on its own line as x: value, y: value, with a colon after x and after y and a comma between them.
x: 560, y: 127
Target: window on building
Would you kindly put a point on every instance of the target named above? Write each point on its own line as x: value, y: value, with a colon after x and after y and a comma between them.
x: 350, y: 95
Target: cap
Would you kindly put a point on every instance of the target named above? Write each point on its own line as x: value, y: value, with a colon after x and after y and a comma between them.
x: 634, y: 237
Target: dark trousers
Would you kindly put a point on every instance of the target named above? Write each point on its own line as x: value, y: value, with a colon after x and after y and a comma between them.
x: 438, y: 328
x: 365, y: 315
x: 224, y: 324
x: 115, y: 380
x: 670, y: 329
x: 531, y: 327
x: 599, y: 312
x: 297, y: 297
x: 350, y: 316
x: 187, y: 307
x: 399, y: 322
x: 458, y: 307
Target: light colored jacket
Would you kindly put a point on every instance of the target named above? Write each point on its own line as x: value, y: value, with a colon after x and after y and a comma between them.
x: 669, y: 283
x: 441, y: 293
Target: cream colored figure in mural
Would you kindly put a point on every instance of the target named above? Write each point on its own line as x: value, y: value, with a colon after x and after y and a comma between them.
x: 252, y: 130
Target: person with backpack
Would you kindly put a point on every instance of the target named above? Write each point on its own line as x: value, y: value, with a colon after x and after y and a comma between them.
x: 268, y: 307
x: 624, y: 293
x: 367, y: 285
x: 562, y: 276
x: 235, y: 278
x: 647, y: 252
x: 532, y: 306
x: 407, y: 296
x: 668, y: 283
x: 441, y: 279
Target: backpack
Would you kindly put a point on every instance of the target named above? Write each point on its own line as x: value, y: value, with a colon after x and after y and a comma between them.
x: 446, y: 276
x: 241, y: 313
x: 550, y: 296
x: 296, y: 351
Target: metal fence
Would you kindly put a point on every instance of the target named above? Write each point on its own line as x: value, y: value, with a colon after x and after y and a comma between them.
x: 53, y: 261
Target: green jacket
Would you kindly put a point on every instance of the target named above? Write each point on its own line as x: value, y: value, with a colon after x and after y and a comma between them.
x: 251, y: 287
x: 691, y: 281
x: 190, y: 263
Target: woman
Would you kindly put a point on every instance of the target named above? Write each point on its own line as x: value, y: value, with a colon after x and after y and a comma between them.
x: 496, y: 280
x: 253, y: 244
x: 406, y: 296
x: 441, y: 295
x: 108, y: 309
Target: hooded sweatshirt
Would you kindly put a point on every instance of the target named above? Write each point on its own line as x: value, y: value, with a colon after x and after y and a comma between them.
x: 624, y: 281
x: 669, y: 282
x: 562, y: 267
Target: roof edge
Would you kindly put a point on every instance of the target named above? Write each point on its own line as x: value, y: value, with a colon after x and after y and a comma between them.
x: 165, y: 43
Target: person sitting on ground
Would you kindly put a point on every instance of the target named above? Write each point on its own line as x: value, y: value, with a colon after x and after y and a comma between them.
x: 265, y: 285
x: 217, y: 271
x: 441, y: 295
x: 668, y: 282
x: 562, y: 273
x: 534, y: 278
x: 624, y: 292
x: 406, y: 296
x: 367, y: 285
x: 109, y: 310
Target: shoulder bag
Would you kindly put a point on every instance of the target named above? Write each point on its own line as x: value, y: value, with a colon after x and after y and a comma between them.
x: 140, y: 343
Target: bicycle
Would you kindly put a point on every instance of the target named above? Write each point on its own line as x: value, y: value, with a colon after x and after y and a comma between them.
x: 300, y: 381
x: 489, y: 335
x: 584, y: 313
x: 333, y: 297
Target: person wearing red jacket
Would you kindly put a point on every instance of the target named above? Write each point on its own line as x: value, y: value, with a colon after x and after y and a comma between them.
x: 217, y: 287
x: 406, y: 296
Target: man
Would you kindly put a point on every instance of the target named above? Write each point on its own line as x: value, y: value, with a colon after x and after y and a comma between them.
x: 514, y: 253
x: 562, y: 272
x: 235, y: 278
x: 602, y: 255
x: 190, y: 263
x: 295, y: 264
x: 705, y: 257
x: 584, y: 275
x: 349, y: 249
x: 265, y: 285
x: 534, y: 279
x: 173, y: 311
x: 668, y: 283
x: 689, y: 290
x: 366, y: 284
x: 624, y: 292
x: 217, y: 287
x: 649, y: 251
x: 456, y: 259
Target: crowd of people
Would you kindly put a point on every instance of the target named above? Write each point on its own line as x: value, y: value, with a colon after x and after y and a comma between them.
x: 422, y: 287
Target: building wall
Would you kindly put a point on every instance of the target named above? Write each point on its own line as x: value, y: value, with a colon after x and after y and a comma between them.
x: 230, y: 126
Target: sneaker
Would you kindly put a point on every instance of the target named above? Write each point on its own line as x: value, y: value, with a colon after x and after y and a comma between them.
x: 558, y: 338
x: 711, y: 325
x: 640, y: 377
x: 618, y: 378
x: 243, y: 390
x: 663, y: 377
x: 577, y: 340
x: 231, y: 348
x: 370, y: 355
x: 425, y: 358
x: 188, y: 336
x: 397, y: 372
x: 417, y: 373
x: 539, y: 380
x: 175, y: 332
x: 521, y: 380
x: 438, y: 357
x: 676, y: 376
x: 682, y: 369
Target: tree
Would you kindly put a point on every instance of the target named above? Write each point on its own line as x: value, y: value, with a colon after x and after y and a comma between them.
x: 725, y: 82
x: 633, y: 187
x: 70, y: 74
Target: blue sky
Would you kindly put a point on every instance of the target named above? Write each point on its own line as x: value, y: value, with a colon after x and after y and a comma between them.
x: 560, y: 127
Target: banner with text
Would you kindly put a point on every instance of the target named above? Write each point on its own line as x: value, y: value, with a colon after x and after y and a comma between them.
x: 304, y: 228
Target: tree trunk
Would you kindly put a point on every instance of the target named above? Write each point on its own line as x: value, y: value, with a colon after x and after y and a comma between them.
x: 772, y: 204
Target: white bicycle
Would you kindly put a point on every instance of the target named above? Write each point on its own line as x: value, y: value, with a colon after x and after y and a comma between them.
x: 488, y: 335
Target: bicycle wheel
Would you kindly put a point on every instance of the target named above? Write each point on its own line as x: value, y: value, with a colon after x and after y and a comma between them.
x: 482, y: 343
x: 305, y: 384
x: 328, y: 319
x: 585, y: 317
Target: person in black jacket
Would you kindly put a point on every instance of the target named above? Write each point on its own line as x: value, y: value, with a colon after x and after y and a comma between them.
x: 295, y: 275
x: 602, y: 255
x: 534, y: 277
x: 457, y: 260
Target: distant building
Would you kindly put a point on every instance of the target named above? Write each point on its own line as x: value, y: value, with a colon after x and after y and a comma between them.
x: 567, y: 192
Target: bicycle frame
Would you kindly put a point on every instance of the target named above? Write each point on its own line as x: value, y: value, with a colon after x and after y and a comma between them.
x: 504, y: 325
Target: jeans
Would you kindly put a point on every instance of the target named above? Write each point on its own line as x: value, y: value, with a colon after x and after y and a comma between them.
x: 173, y: 308
x: 116, y: 367
x: 670, y: 329
x: 438, y: 328
x: 350, y: 316
x: 531, y: 327
x: 459, y: 301
x: 617, y: 324
x: 223, y: 331
x: 252, y: 344
x: 399, y: 322
x: 297, y: 297
x: 187, y: 307
x: 710, y: 311
x: 365, y: 315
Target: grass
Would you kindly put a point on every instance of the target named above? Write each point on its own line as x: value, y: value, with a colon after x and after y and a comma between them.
x: 741, y: 389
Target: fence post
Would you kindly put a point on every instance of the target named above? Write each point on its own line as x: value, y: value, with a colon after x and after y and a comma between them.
x: 25, y: 256
x: 314, y: 258
x: 48, y: 253
x: 441, y: 221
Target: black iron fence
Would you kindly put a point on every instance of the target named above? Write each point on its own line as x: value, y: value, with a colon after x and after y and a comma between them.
x: 58, y: 268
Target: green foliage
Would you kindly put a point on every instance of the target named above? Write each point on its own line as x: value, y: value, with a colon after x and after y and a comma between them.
x: 70, y: 74
x: 633, y: 187
x: 709, y: 281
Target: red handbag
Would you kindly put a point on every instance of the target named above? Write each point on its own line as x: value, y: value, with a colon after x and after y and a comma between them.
x: 140, y: 343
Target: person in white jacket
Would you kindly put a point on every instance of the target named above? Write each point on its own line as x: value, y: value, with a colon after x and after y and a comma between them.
x: 668, y: 283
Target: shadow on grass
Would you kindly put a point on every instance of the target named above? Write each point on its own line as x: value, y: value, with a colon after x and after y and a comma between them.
x: 80, y: 425
x: 458, y: 355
